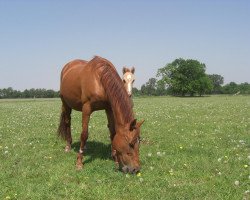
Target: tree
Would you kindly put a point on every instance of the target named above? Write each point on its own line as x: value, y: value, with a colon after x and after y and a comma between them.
x: 231, y: 88
x: 234, y: 88
x: 204, y: 85
x: 150, y: 87
x: 244, y: 88
x: 8, y: 93
x: 185, y: 77
x: 217, y: 81
x: 161, y: 89
x: 135, y: 91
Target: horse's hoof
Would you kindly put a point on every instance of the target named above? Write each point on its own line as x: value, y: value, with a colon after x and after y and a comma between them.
x: 67, y: 149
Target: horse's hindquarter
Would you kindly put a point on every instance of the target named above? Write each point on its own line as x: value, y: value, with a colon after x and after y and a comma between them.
x: 80, y: 84
x: 70, y: 89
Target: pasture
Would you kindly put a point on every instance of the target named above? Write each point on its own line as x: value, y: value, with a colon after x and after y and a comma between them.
x: 191, y: 148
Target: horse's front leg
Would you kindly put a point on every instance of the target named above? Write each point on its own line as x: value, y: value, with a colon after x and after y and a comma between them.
x: 111, y: 126
x: 86, y: 111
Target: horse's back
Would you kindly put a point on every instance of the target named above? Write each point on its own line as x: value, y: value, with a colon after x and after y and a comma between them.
x: 80, y: 83
x: 73, y: 65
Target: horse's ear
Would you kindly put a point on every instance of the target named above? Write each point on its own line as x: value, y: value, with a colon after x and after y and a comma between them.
x: 124, y: 70
x: 132, y: 125
x: 133, y: 70
x: 140, y: 123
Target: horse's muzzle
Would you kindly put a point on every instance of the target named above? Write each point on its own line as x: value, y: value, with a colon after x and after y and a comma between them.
x: 131, y: 170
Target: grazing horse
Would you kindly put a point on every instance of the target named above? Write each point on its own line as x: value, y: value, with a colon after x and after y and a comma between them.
x: 96, y: 85
x: 128, y: 79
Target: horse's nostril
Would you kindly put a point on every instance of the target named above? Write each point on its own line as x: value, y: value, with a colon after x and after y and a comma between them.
x: 134, y: 170
x: 125, y: 169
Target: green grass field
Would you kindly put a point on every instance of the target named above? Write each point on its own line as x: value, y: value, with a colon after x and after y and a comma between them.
x: 192, y: 148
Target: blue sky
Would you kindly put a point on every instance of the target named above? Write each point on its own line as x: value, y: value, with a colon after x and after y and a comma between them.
x: 38, y: 37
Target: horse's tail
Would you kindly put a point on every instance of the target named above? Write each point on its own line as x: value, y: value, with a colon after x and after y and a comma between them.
x: 64, y: 124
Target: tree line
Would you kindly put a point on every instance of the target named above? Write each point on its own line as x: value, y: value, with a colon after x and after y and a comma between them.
x: 10, y: 93
x: 152, y: 88
x: 178, y: 78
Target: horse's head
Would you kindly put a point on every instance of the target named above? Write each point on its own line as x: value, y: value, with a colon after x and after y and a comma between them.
x: 128, y: 79
x: 126, y: 147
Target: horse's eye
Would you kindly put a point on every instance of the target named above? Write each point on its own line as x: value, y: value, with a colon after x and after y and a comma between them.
x: 124, y: 81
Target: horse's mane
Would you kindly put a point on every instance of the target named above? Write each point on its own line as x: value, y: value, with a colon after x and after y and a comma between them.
x: 114, y: 87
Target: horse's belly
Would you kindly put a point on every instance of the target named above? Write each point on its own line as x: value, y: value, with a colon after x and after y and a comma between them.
x: 71, y: 96
x: 75, y: 104
x: 99, y: 105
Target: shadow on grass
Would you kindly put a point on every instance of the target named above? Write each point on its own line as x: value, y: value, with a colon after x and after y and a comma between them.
x: 95, y: 150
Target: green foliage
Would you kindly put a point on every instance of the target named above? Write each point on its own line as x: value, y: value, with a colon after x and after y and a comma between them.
x: 153, y: 88
x: 233, y: 88
x: 192, y: 148
x: 204, y: 85
x: 150, y: 87
x: 32, y: 93
x: 230, y: 88
x: 185, y: 77
x: 244, y: 88
x: 217, y: 81
x: 136, y: 92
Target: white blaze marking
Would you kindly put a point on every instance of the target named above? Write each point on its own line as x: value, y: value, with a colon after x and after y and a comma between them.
x: 129, y: 77
x: 129, y: 88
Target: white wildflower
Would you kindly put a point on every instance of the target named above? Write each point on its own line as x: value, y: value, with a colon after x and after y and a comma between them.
x: 237, y: 183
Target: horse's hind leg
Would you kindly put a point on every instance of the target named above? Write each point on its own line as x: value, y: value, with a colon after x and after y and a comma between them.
x: 64, y: 129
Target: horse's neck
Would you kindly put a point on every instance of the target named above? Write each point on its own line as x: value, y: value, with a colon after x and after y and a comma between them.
x: 120, y: 118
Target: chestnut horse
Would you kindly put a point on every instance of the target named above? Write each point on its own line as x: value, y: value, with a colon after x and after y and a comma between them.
x: 96, y: 85
x: 128, y: 79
